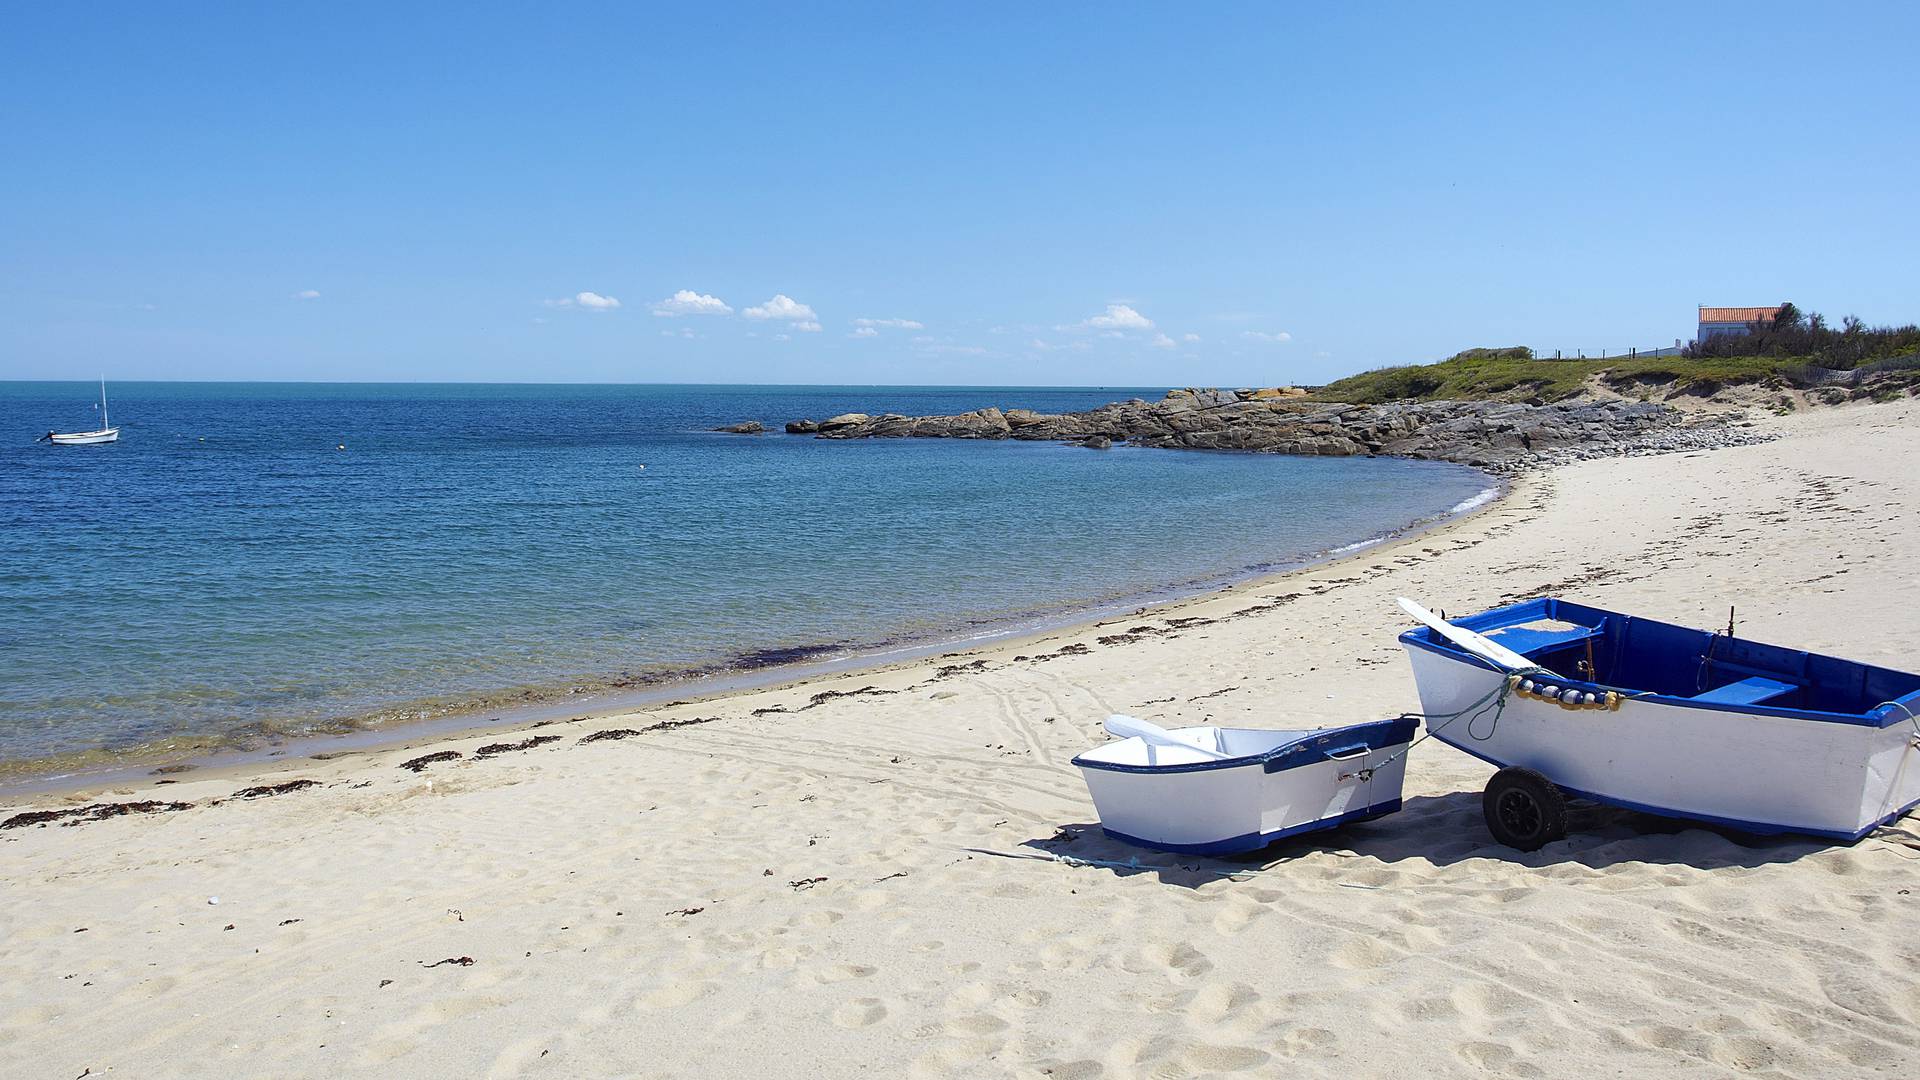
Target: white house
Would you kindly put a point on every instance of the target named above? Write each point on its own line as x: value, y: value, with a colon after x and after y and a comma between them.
x: 1732, y: 320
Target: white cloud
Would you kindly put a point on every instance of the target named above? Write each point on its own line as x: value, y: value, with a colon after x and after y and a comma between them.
x: 1162, y: 341
x: 783, y: 337
x: 1120, y: 317
x: 307, y: 294
x: 782, y: 307
x: 865, y: 331
x: 1191, y: 338
x: 809, y: 327
x: 1275, y: 338
x: 895, y: 324
x: 688, y: 302
x: 683, y: 332
x: 586, y: 301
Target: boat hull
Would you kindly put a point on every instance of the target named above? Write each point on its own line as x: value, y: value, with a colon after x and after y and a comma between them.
x: 85, y: 438
x: 1282, y: 783
x: 1759, y: 773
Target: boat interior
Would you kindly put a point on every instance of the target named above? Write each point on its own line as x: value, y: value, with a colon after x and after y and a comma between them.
x: 1628, y: 652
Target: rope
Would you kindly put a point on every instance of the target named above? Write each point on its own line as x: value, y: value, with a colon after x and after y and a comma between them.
x: 1912, y: 719
x: 1495, y: 699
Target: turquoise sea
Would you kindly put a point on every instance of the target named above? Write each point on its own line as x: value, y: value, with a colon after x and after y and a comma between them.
x: 228, y: 572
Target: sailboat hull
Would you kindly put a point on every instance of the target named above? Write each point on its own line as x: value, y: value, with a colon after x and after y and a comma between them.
x: 86, y: 438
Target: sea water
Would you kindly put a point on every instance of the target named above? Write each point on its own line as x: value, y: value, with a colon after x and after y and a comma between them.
x: 257, y: 559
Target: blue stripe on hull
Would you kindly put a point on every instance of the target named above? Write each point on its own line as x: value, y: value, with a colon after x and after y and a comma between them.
x: 1234, y: 845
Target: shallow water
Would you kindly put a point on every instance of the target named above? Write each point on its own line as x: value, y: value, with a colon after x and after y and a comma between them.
x: 226, y: 570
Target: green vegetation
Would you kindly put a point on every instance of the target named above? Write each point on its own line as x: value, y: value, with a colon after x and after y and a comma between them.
x: 1515, y: 374
x: 1805, y: 335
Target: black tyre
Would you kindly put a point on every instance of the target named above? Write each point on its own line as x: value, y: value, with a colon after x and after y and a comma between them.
x: 1524, y: 810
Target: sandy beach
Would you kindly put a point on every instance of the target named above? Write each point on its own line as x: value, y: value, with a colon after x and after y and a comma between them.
x: 855, y: 875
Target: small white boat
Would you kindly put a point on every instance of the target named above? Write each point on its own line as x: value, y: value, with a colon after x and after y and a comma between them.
x: 107, y: 432
x: 1620, y: 709
x: 1216, y: 791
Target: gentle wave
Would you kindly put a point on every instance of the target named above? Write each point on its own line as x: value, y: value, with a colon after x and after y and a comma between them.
x: 1477, y: 501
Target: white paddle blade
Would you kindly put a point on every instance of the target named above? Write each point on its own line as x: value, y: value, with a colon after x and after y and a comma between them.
x: 1127, y: 727
x: 1476, y: 644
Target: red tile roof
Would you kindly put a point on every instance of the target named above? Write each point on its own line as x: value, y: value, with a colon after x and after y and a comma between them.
x: 1738, y: 314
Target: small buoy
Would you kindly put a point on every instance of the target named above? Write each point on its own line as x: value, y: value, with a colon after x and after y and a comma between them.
x: 342, y: 446
x: 1549, y: 691
x: 640, y: 466
x: 1526, y: 686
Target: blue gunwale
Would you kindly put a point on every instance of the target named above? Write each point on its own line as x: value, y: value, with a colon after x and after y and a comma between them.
x: 1882, y: 716
x: 1310, y: 749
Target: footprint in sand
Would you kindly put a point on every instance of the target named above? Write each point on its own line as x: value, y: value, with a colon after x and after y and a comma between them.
x: 1204, y: 1058
x: 674, y: 995
x: 1493, y: 1057
x: 834, y: 973
x: 1220, y: 1002
x: 1362, y: 953
x: 1306, y: 1041
x: 860, y: 1012
x: 1181, y: 961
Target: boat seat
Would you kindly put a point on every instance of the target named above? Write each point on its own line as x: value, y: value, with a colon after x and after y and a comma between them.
x: 1754, y: 690
x: 1527, y: 640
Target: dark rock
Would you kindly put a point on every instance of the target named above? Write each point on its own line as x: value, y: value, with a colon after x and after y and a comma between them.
x: 802, y: 427
x: 749, y: 427
x: 1497, y: 435
x: 1098, y: 442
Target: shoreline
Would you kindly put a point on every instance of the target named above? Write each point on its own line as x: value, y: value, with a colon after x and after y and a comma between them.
x: 162, y: 762
x: 899, y: 871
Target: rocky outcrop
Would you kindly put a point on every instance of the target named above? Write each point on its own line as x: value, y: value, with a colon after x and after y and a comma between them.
x: 1501, y: 436
x: 802, y: 427
x: 749, y: 427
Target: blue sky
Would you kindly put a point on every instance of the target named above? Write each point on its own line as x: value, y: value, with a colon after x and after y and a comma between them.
x: 1047, y: 194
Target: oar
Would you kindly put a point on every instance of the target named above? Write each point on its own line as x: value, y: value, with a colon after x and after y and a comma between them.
x: 1126, y: 727
x: 1474, y: 643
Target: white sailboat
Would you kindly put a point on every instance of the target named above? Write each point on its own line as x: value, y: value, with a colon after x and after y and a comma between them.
x: 106, y: 434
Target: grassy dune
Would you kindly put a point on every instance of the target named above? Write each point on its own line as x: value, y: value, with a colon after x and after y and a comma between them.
x: 1515, y: 374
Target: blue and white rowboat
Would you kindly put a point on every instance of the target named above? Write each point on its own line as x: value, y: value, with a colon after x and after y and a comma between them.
x: 1216, y: 791
x: 1655, y: 717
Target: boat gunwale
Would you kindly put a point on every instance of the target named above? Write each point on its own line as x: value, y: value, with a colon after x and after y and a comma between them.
x: 1272, y: 760
x: 1881, y: 716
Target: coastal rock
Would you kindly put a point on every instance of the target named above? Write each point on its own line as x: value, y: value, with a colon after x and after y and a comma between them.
x: 748, y: 427
x: 1500, y: 436
x: 1098, y: 442
x: 802, y: 427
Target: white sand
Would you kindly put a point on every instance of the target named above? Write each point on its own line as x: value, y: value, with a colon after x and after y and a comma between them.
x: 1408, y: 946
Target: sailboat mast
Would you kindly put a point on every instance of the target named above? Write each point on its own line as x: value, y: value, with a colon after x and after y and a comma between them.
x: 103, y: 404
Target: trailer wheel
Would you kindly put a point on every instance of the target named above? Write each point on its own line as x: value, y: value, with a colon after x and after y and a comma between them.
x: 1524, y: 810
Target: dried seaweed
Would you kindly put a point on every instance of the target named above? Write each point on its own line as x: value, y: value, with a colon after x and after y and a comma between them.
x: 491, y: 749
x: 267, y: 790
x: 611, y: 733
x: 457, y: 961
x: 96, y: 812
x: 419, y: 764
